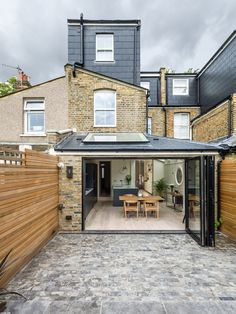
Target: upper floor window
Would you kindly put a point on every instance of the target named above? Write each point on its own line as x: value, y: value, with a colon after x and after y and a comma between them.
x: 104, y: 108
x: 180, y: 87
x: 145, y: 85
x: 105, y: 47
x: 181, y: 125
x: 34, y: 116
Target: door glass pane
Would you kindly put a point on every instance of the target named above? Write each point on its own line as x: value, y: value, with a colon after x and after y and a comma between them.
x: 193, y: 190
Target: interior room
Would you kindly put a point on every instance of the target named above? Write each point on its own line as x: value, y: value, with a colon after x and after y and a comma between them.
x: 108, y: 181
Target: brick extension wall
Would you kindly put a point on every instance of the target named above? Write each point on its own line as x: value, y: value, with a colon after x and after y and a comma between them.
x: 130, y: 103
x: 70, y: 194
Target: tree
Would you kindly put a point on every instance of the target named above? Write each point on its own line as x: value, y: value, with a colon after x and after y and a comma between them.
x: 8, y: 87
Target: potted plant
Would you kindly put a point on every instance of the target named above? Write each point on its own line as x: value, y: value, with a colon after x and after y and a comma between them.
x: 128, y: 179
x: 160, y: 187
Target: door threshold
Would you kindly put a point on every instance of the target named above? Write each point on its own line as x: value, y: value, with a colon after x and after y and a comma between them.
x: 128, y: 232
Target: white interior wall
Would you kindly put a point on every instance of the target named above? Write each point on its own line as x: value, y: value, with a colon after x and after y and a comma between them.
x: 148, y: 175
x: 118, y: 171
x: 170, y: 168
x: 158, y: 170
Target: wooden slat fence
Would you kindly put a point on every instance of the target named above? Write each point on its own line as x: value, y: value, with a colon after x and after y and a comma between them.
x: 28, y: 205
x: 228, y: 196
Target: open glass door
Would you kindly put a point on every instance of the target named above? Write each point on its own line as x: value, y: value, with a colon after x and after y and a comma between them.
x: 200, y: 199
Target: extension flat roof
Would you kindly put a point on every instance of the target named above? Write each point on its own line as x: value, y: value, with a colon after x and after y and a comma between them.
x: 77, y: 143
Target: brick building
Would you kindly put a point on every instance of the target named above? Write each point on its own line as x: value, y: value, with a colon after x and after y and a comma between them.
x: 119, y: 122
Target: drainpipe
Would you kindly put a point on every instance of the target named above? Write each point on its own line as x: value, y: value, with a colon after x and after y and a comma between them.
x: 163, y: 96
x: 198, y: 91
x: 230, y: 120
x: 134, y: 65
x: 82, y: 39
x: 147, y: 96
x: 165, y: 121
x: 136, y: 29
x: 218, y: 188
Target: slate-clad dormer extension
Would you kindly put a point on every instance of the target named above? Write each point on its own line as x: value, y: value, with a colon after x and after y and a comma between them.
x: 109, y: 47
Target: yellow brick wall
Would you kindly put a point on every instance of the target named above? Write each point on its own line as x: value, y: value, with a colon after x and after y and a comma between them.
x: 70, y: 194
x: 212, y: 125
x: 130, y: 103
x: 158, y: 118
x: 157, y: 115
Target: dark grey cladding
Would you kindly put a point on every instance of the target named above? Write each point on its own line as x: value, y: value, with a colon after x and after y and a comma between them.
x: 179, y: 100
x: 126, y: 65
x: 154, y: 98
x: 218, y: 81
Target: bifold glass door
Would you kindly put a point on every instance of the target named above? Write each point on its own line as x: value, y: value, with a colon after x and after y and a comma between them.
x: 199, y: 206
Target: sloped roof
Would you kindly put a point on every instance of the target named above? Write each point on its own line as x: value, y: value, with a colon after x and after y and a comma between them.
x: 74, y: 143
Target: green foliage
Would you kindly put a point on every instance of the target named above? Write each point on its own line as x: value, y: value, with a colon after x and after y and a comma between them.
x: 160, y: 187
x: 218, y: 223
x: 191, y: 70
x: 128, y: 178
x: 8, y: 87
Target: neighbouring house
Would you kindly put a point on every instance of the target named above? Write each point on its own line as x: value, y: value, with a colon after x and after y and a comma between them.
x: 124, y: 131
x: 29, y: 117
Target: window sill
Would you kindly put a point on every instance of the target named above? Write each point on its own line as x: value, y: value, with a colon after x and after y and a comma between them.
x: 104, y: 126
x: 104, y: 62
x: 35, y: 135
x: 180, y: 94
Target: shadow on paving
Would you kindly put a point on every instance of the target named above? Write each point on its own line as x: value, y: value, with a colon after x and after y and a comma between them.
x: 128, y: 273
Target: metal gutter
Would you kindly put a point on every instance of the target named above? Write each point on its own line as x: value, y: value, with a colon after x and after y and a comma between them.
x: 137, y: 154
x: 230, y: 120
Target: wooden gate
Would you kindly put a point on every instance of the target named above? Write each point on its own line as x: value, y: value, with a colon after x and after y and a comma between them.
x: 228, y: 196
x: 28, y: 206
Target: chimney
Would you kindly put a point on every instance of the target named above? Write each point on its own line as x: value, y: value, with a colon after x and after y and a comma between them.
x: 22, y: 81
x: 163, y: 86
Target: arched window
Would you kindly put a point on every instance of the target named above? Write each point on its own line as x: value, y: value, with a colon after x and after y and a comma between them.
x: 104, y: 108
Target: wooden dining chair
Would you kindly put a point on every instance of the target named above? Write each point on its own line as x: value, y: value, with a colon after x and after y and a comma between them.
x: 129, y: 196
x: 131, y: 205
x: 151, y: 205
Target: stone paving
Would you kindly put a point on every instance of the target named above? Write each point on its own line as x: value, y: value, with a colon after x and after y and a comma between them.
x: 128, y: 273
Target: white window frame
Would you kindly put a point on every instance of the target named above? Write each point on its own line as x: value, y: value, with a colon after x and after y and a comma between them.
x: 106, y: 49
x: 105, y: 109
x: 182, y: 113
x: 149, y: 125
x: 176, y: 93
x: 26, y: 111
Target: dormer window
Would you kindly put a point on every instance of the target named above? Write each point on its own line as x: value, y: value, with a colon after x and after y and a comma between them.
x: 180, y: 87
x: 104, y: 47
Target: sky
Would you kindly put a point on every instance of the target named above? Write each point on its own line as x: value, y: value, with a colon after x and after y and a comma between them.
x: 177, y: 34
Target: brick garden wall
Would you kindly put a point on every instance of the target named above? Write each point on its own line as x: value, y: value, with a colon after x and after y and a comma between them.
x: 212, y: 125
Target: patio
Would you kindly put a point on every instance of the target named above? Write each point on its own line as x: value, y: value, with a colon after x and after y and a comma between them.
x: 95, y: 273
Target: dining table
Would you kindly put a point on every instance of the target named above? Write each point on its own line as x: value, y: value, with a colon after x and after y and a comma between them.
x: 140, y: 198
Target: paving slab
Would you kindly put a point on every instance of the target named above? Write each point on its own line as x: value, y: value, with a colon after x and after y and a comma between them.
x: 78, y: 271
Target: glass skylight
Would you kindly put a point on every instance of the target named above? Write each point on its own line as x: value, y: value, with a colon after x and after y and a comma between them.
x: 115, y: 138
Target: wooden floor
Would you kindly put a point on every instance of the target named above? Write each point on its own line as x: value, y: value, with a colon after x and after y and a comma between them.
x: 106, y: 217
